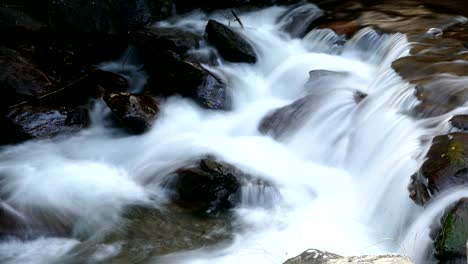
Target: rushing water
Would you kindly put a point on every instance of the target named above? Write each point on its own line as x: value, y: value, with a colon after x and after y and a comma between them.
x: 341, y: 179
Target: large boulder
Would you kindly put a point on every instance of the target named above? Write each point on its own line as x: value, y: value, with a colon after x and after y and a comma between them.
x: 298, y: 20
x: 230, y: 44
x: 166, y: 38
x: 313, y: 256
x: 451, y: 240
x: 136, y: 113
x: 171, y: 75
x: 208, y: 186
x: 446, y: 166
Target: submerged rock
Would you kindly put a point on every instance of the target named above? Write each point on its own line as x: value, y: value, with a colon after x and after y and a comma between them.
x: 32, y: 223
x: 136, y: 113
x: 285, y: 120
x: 146, y: 232
x: 313, y: 256
x: 297, y: 21
x: 446, y: 166
x: 451, y: 240
x: 230, y: 44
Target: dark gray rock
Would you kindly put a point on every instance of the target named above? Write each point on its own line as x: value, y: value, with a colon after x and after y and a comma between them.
x: 206, y: 187
x: 286, y: 120
x: 39, y: 122
x: 174, y: 75
x: 153, y: 39
x: 230, y: 44
x: 136, y: 113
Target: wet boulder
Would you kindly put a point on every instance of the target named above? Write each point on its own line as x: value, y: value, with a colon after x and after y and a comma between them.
x: 174, y: 75
x: 297, y: 21
x: 178, y: 40
x: 136, y: 113
x: 21, y: 80
x: 39, y: 122
x: 231, y: 45
x: 283, y: 121
x: 208, y: 186
x: 446, y: 166
x: 450, y: 243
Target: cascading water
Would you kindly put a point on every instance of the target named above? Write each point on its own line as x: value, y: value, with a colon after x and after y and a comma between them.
x: 341, y: 179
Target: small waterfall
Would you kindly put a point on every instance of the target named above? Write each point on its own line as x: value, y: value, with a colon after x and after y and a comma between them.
x: 338, y: 183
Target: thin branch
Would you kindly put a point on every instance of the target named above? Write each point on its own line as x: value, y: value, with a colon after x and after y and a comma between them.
x: 237, y: 19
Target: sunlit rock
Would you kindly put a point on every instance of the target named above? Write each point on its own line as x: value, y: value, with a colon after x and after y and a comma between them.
x: 313, y: 256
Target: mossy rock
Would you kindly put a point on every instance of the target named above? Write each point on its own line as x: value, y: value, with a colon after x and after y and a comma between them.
x: 451, y: 240
x: 446, y: 166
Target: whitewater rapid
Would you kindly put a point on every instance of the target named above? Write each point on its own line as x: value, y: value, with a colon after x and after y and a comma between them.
x: 341, y: 179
